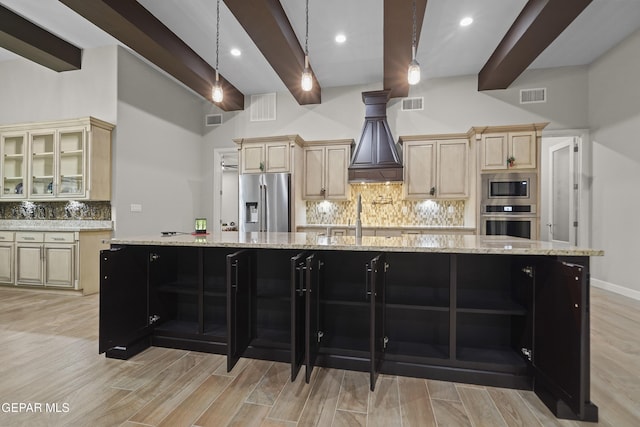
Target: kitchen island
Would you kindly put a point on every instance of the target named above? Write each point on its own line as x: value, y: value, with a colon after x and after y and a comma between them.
x: 490, y: 310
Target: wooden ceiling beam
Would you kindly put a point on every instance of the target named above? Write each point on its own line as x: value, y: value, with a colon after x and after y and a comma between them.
x: 132, y: 24
x: 537, y: 26
x: 32, y: 42
x: 398, y: 36
x: 268, y: 26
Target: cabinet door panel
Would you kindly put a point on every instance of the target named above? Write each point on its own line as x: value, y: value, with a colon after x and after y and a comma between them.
x: 560, y: 346
x: 453, y: 169
x: 420, y: 170
x: 6, y: 264
x: 252, y: 158
x: 29, y: 264
x: 522, y: 146
x: 123, y: 314
x: 493, y: 152
x: 59, y: 265
x: 336, y: 173
x: 277, y: 157
x: 313, y: 332
x: 376, y: 292
x: 314, y: 173
x: 240, y: 273
x: 298, y: 267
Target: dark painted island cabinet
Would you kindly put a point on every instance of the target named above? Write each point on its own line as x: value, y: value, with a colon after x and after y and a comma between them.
x: 517, y: 321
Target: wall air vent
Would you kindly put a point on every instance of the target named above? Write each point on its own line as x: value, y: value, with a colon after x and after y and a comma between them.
x: 263, y: 107
x: 412, y: 104
x: 213, y: 120
x: 533, y: 96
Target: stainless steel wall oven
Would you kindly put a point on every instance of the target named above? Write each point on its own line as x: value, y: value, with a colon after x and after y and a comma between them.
x: 509, y: 204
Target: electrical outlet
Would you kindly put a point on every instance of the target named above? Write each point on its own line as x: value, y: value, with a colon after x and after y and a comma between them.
x: 136, y: 207
x: 405, y: 210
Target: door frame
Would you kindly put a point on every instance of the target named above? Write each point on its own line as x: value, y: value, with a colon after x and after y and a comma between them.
x: 584, y: 167
x: 218, y: 156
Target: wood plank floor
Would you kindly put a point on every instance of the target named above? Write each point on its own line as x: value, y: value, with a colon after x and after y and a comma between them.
x: 48, y: 356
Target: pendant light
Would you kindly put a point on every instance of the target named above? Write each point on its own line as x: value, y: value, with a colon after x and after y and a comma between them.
x: 307, y: 78
x: 413, y: 74
x: 217, y: 94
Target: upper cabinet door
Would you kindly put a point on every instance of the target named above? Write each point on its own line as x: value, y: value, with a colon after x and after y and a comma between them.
x: 123, y: 298
x: 71, y: 157
x: 522, y: 148
x: 298, y: 267
x: 240, y: 274
x: 13, y: 151
x: 252, y: 158
x: 336, y: 175
x: 453, y: 169
x: 561, y: 333
x: 377, y: 339
x: 494, y: 151
x: 419, y: 169
x: 277, y: 157
x: 43, y: 171
x: 314, y: 167
x: 313, y: 323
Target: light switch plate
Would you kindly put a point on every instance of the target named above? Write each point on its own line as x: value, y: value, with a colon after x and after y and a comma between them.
x: 136, y: 207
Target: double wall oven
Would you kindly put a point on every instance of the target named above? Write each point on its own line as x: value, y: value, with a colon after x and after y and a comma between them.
x: 509, y: 204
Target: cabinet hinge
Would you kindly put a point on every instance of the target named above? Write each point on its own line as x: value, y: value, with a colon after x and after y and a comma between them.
x: 153, y: 319
x: 153, y: 257
x: 528, y: 271
x: 386, y: 267
x: 575, y: 186
x: 527, y: 353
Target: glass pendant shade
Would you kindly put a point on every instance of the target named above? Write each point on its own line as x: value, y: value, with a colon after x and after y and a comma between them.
x: 217, y: 94
x: 413, y: 74
x: 307, y: 78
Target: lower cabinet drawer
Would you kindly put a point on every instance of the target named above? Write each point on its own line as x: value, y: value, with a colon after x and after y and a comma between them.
x: 29, y: 237
x: 6, y: 236
x: 59, y: 237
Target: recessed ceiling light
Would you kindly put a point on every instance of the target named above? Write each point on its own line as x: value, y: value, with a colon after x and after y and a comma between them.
x: 341, y: 38
x: 466, y: 21
x: 236, y: 52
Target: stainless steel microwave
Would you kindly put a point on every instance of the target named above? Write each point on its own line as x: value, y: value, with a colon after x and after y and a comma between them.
x: 509, y: 186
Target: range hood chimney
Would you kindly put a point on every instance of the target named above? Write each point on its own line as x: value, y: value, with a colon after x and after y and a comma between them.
x: 376, y: 157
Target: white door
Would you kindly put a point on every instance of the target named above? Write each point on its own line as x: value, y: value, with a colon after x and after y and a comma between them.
x: 563, y: 192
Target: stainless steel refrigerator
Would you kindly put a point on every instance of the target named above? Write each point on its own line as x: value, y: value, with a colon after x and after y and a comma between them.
x: 265, y: 202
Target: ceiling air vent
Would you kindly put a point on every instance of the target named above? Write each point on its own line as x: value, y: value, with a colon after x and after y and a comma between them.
x: 412, y: 104
x: 263, y: 107
x: 533, y: 96
x: 213, y: 120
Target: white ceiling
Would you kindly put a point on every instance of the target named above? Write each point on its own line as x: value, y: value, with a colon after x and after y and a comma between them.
x: 445, y: 48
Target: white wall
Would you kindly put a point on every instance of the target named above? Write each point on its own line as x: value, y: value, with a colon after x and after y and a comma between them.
x: 33, y: 93
x: 156, y: 152
x: 614, y: 116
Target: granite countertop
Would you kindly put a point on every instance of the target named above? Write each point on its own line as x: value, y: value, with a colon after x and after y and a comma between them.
x: 442, y: 243
x: 54, y: 225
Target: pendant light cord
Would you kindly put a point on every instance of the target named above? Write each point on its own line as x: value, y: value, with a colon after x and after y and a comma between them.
x: 306, y: 37
x: 217, y: 34
x: 413, y: 39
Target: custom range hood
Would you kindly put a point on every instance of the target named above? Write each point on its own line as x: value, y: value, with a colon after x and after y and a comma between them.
x: 376, y: 157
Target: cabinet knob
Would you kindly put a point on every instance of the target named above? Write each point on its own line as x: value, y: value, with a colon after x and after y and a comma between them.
x: 432, y: 191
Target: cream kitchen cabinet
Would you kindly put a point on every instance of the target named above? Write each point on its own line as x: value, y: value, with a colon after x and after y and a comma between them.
x: 6, y: 257
x: 326, y: 166
x: 13, y: 152
x: 68, y: 159
x: 436, y: 167
x: 508, y: 150
x: 46, y: 259
x: 267, y: 154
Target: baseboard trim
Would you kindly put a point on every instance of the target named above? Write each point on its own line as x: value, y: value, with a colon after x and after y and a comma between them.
x: 621, y: 290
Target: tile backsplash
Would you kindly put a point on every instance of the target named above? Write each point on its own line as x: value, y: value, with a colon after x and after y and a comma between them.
x: 382, y: 204
x: 72, y: 210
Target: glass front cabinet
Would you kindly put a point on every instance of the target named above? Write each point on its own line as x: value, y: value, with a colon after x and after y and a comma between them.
x: 13, y: 148
x: 56, y: 160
